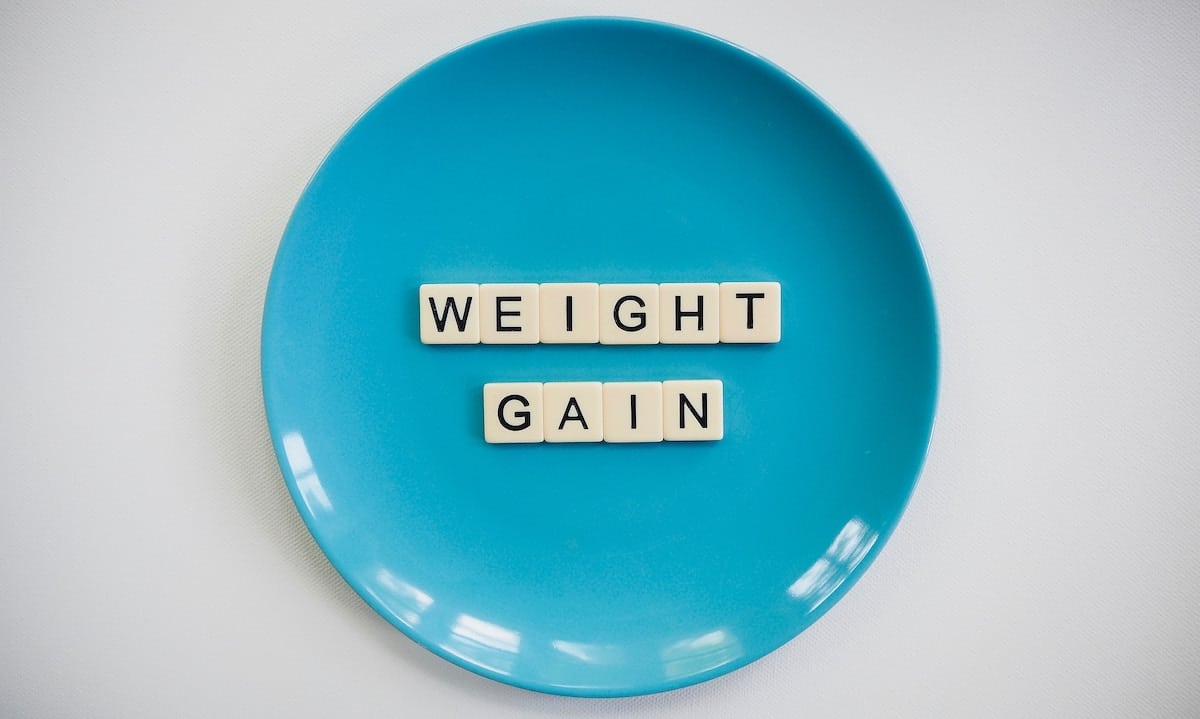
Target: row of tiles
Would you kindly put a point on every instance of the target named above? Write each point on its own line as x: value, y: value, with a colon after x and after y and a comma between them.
x: 611, y: 314
x: 674, y: 411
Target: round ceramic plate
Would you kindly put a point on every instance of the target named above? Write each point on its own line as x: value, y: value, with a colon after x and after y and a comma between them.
x: 599, y: 150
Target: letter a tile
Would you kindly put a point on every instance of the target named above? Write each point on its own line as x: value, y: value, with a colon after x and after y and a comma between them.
x: 573, y: 411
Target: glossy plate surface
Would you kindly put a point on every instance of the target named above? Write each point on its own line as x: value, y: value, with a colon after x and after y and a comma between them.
x: 599, y: 150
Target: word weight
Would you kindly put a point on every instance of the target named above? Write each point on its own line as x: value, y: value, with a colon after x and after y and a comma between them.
x: 610, y: 314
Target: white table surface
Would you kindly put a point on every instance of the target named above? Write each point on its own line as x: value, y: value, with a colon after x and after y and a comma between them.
x: 152, y: 564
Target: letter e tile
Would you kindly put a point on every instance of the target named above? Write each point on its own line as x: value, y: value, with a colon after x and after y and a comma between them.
x: 508, y: 314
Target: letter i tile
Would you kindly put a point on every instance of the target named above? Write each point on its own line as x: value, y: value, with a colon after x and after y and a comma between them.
x: 633, y: 412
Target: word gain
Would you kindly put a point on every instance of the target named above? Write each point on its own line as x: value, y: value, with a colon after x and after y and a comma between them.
x: 675, y: 411
x: 586, y: 312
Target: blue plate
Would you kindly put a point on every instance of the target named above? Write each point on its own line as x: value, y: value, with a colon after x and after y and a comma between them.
x: 599, y: 150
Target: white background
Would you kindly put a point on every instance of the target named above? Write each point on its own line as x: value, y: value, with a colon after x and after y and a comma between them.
x: 152, y: 564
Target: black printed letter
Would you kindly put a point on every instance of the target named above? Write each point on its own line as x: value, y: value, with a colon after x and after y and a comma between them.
x: 701, y: 416
x: 568, y: 417
x: 500, y: 314
x: 523, y: 415
x: 639, y: 316
x: 698, y: 314
x: 451, y: 306
x: 749, y: 297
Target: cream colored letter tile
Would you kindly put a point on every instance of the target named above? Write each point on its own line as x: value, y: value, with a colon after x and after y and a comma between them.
x: 689, y: 313
x: 449, y: 314
x: 693, y: 410
x: 629, y: 314
x: 633, y: 412
x: 512, y: 412
x: 573, y: 411
x: 750, y: 312
x: 508, y: 314
x: 569, y: 312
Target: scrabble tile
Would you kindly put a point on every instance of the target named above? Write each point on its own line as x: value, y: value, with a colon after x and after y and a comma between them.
x: 572, y: 411
x: 693, y: 410
x: 508, y: 314
x: 569, y: 312
x: 629, y: 314
x: 449, y: 314
x: 689, y: 313
x: 512, y: 412
x: 633, y: 412
x: 750, y: 312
